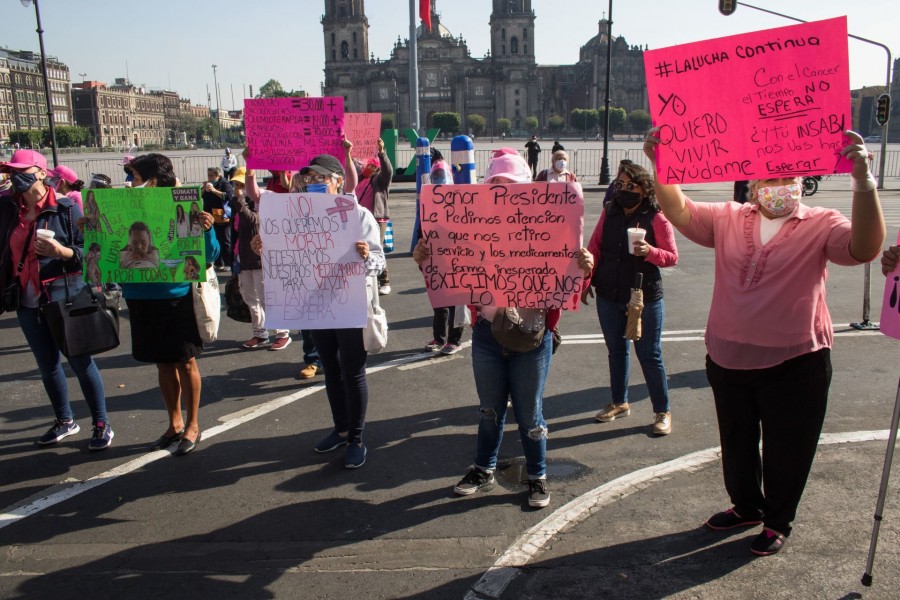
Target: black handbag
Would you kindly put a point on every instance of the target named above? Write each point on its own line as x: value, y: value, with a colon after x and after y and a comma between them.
x: 237, y: 308
x: 82, y: 324
x: 12, y: 294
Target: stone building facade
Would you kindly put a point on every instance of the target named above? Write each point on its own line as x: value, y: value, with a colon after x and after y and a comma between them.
x: 23, y: 99
x: 505, y: 83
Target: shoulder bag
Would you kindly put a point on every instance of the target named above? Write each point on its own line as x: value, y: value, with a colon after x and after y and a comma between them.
x: 82, y: 324
x: 12, y: 294
x: 519, y: 329
x: 207, y: 305
x: 375, y: 333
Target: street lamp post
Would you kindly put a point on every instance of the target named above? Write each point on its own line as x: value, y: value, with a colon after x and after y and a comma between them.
x: 604, y: 162
x: 40, y: 32
x: 218, y: 105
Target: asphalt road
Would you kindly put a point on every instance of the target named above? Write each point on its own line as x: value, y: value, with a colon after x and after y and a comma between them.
x: 255, y: 513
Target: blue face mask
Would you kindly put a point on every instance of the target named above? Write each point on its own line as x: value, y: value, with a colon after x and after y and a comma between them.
x: 317, y: 188
x: 22, y: 182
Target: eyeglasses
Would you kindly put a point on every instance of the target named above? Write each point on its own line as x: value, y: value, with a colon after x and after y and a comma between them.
x: 630, y: 186
x: 317, y: 178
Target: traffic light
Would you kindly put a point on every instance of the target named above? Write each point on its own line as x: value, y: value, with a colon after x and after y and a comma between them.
x: 727, y: 7
x: 883, y: 109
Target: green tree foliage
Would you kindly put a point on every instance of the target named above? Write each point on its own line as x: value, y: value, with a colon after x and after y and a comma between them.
x: 531, y: 124
x: 67, y: 136
x: 447, y: 122
x: 388, y: 121
x: 503, y: 125
x: 273, y: 89
x: 476, y: 123
x: 556, y: 123
x: 638, y: 121
x: 25, y: 138
x: 616, y: 118
x: 584, y: 119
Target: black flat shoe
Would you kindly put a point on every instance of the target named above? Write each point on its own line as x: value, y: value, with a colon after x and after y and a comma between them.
x: 186, y: 446
x: 165, y: 441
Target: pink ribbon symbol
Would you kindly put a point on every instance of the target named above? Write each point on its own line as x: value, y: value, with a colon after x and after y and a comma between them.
x: 343, y: 206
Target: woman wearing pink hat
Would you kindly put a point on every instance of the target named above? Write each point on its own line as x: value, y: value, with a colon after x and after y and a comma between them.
x: 38, y: 266
x: 67, y: 183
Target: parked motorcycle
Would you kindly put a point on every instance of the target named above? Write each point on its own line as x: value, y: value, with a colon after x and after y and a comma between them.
x: 811, y: 184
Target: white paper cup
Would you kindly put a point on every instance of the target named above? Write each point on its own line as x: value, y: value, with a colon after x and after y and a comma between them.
x: 635, y: 234
x: 45, y: 234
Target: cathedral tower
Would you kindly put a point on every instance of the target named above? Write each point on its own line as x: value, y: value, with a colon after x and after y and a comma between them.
x: 346, y: 31
x: 512, y: 32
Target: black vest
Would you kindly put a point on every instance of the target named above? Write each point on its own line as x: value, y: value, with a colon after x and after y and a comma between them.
x: 614, y: 274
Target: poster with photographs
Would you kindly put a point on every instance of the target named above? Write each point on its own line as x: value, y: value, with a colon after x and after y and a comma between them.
x: 143, y: 235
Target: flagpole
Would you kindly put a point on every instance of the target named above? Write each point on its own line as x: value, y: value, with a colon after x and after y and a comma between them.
x: 413, y: 69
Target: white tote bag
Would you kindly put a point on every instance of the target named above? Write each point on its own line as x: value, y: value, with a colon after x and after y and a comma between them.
x: 376, y: 332
x: 207, y: 306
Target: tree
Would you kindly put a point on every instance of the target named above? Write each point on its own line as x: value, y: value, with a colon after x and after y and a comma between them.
x: 67, y: 136
x: 584, y: 119
x: 616, y: 118
x: 25, y: 138
x: 531, y: 124
x: 448, y: 122
x: 556, y: 123
x: 638, y: 121
x: 476, y: 124
x: 187, y: 123
x: 272, y: 89
x: 388, y: 121
x: 504, y: 125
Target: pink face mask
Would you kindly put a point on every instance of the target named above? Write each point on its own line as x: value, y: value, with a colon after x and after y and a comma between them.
x: 780, y: 200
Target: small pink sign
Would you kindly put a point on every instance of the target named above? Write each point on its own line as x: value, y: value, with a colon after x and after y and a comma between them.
x: 890, y: 307
x: 771, y: 103
x: 363, y: 130
x: 503, y: 244
x: 285, y: 134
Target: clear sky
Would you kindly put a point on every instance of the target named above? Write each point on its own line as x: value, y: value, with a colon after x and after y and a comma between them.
x: 174, y: 43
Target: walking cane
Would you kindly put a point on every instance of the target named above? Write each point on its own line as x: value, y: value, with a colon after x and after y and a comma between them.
x: 885, y: 475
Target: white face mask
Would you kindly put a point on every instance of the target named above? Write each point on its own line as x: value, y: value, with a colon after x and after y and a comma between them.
x: 560, y: 165
x: 780, y: 200
x: 140, y: 186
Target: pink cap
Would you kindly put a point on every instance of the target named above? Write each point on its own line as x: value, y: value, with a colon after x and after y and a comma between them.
x: 65, y: 173
x: 128, y: 158
x: 25, y: 159
x: 511, y: 166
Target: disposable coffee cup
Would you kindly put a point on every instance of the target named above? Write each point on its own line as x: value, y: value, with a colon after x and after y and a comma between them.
x: 635, y: 234
x: 45, y: 234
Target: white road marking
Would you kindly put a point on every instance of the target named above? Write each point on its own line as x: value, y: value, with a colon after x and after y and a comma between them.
x: 13, y: 515
x: 493, y: 583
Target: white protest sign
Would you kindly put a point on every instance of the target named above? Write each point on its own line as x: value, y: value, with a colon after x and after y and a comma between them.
x: 313, y: 275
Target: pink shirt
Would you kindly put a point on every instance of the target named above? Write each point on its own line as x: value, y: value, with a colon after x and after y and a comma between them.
x: 768, y: 301
x: 664, y: 254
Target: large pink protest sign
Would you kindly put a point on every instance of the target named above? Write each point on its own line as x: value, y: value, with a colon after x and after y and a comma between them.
x: 771, y: 103
x: 285, y: 134
x: 503, y: 244
x: 890, y: 308
x: 363, y: 130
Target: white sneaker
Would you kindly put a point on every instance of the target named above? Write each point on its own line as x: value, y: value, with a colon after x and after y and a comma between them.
x: 384, y: 290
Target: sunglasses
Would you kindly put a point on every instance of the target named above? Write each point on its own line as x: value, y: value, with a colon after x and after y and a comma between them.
x: 630, y: 186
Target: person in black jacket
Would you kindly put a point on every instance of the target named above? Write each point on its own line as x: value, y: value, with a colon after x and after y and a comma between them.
x: 217, y: 192
x: 533, y: 150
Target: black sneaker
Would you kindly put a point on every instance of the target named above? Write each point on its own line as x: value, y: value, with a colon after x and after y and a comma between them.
x: 475, y: 480
x: 767, y: 543
x: 538, y: 495
x: 102, y: 438
x: 730, y: 520
x: 60, y: 430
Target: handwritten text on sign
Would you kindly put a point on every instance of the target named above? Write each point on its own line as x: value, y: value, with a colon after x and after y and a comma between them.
x: 313, y: 275
x: 771, y: 103
x: 363, y: 129
x: 503, y: 244
x: 285, y: 134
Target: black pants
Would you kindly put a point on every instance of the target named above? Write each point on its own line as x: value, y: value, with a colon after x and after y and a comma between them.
x: 532, y: 162
x: 442, y: 326
x: 223, y: 234
x: 788, y: 401
x: 343, y: 357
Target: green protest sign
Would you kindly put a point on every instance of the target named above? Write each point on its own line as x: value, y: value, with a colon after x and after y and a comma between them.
x: 143, y: 235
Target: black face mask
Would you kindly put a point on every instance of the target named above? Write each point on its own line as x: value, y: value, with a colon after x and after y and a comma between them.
x: 22, y: 182
x: 627, y: 199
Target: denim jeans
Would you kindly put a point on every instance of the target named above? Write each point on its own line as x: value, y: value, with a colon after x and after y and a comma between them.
x: 49, y: 363
x: 519, y: 376
x: 613, y: 317
x: 310, y: 354
x: 343, y: 355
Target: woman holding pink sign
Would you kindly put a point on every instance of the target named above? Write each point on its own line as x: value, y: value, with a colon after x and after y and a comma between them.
x: 770, y: 368
x: 632, y: 238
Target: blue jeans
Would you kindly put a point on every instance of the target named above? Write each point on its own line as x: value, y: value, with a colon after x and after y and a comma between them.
x: 49, y: 363
x: 613, y: 317
x: 343, y: 355
x: 310, y: 354
x: 501, y: 375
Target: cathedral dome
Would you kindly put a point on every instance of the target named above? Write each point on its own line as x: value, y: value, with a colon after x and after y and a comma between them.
x: 441, y: 30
